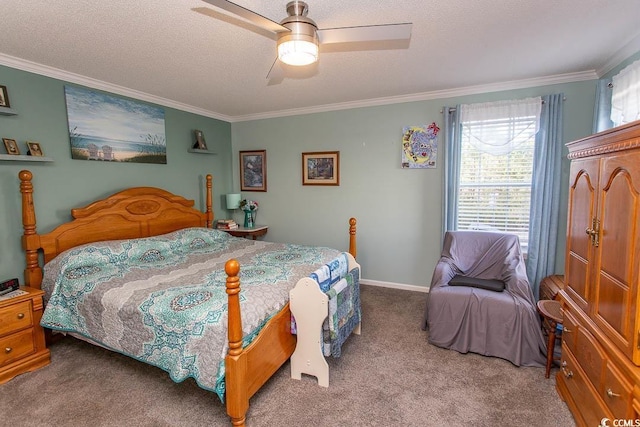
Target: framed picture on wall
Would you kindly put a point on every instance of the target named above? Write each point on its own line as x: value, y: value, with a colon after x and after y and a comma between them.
x: 11, y: 145
x: 4, y: 97
x: 253, y: 170
x: 321, y: 168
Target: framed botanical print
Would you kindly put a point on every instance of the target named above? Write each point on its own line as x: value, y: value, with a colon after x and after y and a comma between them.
x: 253, y: 170
x: 321, y: 168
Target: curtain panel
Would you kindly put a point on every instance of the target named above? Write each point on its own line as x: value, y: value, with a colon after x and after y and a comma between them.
x: 545, y: 192
x: 452, y: 147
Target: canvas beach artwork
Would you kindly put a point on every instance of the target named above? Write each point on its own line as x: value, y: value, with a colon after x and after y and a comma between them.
x: 106, y: 127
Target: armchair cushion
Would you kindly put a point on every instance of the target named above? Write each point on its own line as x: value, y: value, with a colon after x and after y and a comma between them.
x: 488, y: 284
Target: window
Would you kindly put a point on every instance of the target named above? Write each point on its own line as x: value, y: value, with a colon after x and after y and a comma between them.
x: 625, y: 98
x: 496, y: 167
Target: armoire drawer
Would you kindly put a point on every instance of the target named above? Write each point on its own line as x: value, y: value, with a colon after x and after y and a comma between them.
x: 592, y: 408
x: 590, y: 356
x: 617, y: 393
x: 570, y: 329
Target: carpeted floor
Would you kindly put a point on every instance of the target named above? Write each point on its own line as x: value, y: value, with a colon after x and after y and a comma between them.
x: 388, y: 376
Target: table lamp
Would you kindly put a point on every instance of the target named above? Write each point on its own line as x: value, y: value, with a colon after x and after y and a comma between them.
x: 233, y: 201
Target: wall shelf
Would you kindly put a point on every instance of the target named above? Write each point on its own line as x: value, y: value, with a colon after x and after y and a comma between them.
x: 24, y: 158
x: 199, y: 151
x: 5, y: 111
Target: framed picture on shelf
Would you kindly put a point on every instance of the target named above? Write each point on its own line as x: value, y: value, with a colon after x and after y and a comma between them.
x: 34, y: 149
x: 200, y: 143
x: 4, y: 97
x: 11, y: 145
x: 253, y: 170
x: 321, y: 168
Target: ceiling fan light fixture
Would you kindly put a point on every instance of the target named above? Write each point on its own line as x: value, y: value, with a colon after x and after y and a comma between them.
x: 298, y: 52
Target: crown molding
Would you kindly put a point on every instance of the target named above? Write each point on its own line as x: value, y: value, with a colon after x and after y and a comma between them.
x: 44, y: 70
x: 66, y: 76
x: 630, y: 48
x: 426, y: 96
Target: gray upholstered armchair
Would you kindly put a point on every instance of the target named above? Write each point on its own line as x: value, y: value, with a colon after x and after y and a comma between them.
x: 469, y: 317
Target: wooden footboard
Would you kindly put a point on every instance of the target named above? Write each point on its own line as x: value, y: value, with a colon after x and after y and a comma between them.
x: 246, y: 370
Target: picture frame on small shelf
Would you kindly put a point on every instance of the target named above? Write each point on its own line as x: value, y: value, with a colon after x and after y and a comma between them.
x: 34, y: 149
x: 4, y: 97
x: 321, y: 168
x: 12, y: 146
x: 200, y: 143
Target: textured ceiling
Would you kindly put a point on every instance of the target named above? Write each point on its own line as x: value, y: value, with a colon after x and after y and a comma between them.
x: 187, y: 53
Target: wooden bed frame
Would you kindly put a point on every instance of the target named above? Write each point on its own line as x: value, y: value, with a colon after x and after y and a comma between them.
x: 148, y: 211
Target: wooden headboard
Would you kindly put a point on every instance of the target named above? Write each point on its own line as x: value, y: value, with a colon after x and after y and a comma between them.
x: 128, y: 214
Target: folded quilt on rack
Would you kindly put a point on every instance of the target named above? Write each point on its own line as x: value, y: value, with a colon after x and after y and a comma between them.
x: 343, y: 290
x: 344, y: 313
x: 329, y: 274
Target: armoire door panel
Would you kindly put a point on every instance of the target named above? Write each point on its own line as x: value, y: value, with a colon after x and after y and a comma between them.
x: 618, y: 253
x: 582, y: 210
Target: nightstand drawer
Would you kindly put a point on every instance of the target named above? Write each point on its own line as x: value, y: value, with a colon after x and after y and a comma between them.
x: 16, y: 317
x: 16, y: 346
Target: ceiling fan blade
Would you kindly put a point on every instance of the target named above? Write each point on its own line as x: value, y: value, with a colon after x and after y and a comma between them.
x: 248, y: 15
x: 276, y: 73
x: 365, y: 34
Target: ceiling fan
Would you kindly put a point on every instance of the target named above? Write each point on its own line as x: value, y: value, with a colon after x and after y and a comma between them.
x: 298, y: 36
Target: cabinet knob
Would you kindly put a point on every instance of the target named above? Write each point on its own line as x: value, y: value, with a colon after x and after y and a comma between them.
x: 8, y: 350
x: 565, y: 329
x: 567, y: 374
x: 20, y: 316
x: 610, y: 393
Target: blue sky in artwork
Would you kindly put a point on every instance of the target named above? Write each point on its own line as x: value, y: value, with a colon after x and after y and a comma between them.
x: 97, y: 114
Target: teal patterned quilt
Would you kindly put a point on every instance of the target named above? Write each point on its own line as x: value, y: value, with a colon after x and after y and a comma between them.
x: 162, y: 299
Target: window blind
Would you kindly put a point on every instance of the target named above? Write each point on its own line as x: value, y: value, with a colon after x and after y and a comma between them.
x: 495, y: 189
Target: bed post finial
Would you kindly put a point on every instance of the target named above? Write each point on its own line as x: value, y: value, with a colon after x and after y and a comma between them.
x: 30, y: 238
x: 232, y: 268
x: 237, y: 396
x: 209, y: 201
x: 353, y: 250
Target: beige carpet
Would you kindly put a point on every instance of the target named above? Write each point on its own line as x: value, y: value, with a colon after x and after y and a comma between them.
x: 388, y: 376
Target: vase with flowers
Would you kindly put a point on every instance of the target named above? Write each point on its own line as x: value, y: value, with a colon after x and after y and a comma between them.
x: 249, y: 207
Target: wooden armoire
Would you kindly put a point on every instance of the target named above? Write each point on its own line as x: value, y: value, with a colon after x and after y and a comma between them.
x: 599, y: 375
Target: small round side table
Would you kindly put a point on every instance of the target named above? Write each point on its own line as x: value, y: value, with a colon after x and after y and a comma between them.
x: 551, y: 312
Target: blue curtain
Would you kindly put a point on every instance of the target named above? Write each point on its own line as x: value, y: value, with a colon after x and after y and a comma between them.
x: 452, y: 147
x: 602, y: 112
x: 545, y: 192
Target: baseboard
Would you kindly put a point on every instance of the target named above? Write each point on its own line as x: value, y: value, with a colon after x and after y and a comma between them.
x: 405, y: 287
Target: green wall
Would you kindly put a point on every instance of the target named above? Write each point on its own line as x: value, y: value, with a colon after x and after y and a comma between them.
x: 66, y: 183
x: 399, y: 211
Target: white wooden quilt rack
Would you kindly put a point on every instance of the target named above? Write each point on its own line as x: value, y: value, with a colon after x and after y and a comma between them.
x: 310, y: 306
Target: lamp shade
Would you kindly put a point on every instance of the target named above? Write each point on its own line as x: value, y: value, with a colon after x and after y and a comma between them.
x: 300, y: 45
x: 298, y: 52
x: 233, y: 201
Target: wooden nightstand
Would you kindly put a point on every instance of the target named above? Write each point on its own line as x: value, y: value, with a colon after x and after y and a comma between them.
x: 22, y: 346
x: 249, y: 233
